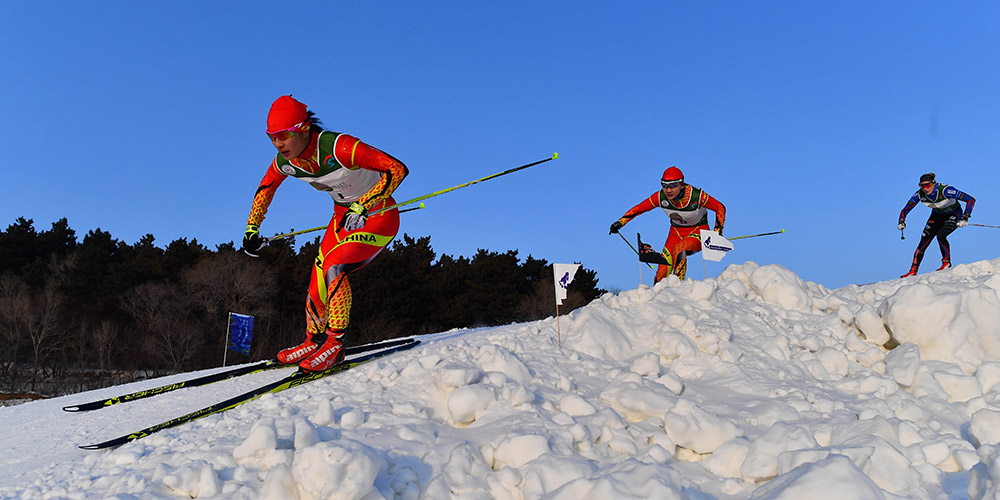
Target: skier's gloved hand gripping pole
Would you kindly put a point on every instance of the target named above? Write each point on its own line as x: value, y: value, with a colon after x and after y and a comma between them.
x: 426, y: 196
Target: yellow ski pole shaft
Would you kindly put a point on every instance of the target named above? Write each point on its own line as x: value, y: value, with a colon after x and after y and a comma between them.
x: 755, y: 235
x: 431, y: 195
x: 477, y: 181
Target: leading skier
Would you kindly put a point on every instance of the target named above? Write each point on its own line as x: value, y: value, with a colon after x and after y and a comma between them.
x: 361, y: 180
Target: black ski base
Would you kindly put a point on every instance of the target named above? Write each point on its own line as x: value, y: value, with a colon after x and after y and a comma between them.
x: 293, y: 380
x: 239, y: 371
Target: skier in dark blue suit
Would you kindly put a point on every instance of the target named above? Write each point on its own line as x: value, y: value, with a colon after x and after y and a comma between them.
x: 946, y: 215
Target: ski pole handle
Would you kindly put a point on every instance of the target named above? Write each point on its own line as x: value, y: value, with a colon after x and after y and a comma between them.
x: 412, y: 209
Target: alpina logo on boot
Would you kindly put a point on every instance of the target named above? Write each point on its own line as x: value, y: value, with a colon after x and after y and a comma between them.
x: 319, y: 361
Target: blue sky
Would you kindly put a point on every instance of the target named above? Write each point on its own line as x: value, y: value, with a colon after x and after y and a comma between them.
x: 813, y: 117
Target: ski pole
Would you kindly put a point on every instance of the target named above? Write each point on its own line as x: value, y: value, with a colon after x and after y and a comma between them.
x: 755, y: 235
x: 633, y: 248
x: 984, y: 225
x: 435, y: 193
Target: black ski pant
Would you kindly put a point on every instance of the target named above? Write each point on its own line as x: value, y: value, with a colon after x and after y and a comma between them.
x: 938, y: 225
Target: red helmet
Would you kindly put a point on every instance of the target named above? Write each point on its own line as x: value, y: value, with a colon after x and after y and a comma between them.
x: 285, y: 113
x: 673, y: 176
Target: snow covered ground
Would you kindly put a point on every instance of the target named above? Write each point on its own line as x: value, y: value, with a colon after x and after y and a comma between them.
x: 755, y: 385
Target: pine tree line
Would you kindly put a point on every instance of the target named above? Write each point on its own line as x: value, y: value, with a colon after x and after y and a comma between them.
x: 75, y: 315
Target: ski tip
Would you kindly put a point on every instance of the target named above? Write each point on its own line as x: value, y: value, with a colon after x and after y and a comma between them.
x: 555, y: 156
x: 71, y: 408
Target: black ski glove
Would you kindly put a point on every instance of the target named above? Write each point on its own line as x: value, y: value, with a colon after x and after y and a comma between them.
x: 616, y: 226
x: 252, y: 241
x: 355, y: 217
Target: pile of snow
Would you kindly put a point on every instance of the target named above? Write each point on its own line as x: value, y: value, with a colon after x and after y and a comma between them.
x: 755, y: 385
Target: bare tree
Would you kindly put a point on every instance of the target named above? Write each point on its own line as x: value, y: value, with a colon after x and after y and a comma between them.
x: 46, y: 328
x: 158, y: 309
x: 226, y: 282
x: 34, y: 317
x: 12, y: 291
x: 105, y: 337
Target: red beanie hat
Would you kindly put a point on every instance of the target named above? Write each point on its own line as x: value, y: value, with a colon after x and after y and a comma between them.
x: 285, y: 113
x: 672, y: 174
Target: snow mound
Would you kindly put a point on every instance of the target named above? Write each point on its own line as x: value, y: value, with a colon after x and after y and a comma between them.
x: 753, y: 385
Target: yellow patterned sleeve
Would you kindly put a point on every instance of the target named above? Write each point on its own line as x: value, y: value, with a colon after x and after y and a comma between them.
x: 265, y: 193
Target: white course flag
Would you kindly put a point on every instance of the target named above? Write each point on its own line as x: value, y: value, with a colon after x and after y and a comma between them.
x: 563, y: 274
x: 714, y: 246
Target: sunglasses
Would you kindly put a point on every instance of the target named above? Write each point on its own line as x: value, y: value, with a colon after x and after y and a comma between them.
x: 925, y: 184
x: 671, y: 184
x: 285, y: 134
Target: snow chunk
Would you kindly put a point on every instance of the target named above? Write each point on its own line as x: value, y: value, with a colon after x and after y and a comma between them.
x: 834, y: 478
x: 762, y: 458
x: 597, y: 332
x: 629, y: 480
x: 673, y: 344
x: 859, y: 455
x: 305, y: 434
x: 500, y: 359
x: 468, y: 403
x: 516, y: 451
x: 261, y: 446
x: 870, y: 324
x: 727, y: 458
x: 902, y: 363
x: 988, y: 374
x: 959, y: 387
x: 450, y: 376
x: 343, y: 470
x: 692, y: 427
x: 777, y: 284
x: 646, y: 365
x: 550, y: 472
x: 890, y: 469
x: 279, y: 484
x: 984, y: 478
x: 985, y: 427
x: 637, y: 398
x: 575, y: 406
x: 956, y: 323
x: 196, y: 479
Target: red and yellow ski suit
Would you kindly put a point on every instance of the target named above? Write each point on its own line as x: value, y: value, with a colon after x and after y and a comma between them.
x: 688, y: 214
x: 350, y: 171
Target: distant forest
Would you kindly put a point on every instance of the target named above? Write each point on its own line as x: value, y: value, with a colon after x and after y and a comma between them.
x: 79, y: 315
